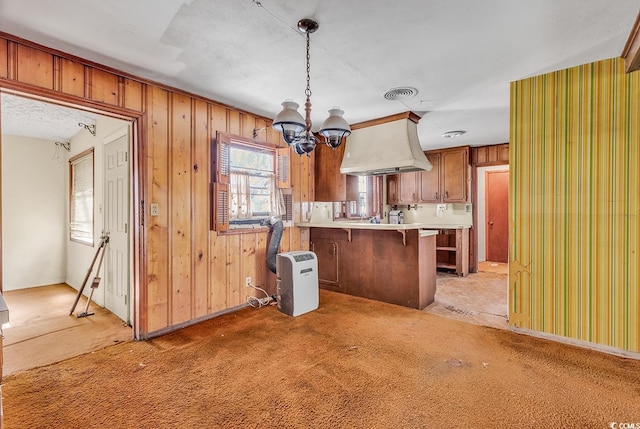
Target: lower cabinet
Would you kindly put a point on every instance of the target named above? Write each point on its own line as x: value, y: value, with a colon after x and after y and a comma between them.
x: 452, y: 250
x: 327, y: 251
x: 392, y: 266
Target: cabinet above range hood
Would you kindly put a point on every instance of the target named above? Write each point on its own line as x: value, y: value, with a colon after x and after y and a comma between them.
x: 385, y: 146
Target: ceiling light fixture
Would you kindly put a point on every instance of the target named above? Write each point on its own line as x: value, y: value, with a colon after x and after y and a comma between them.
x: 296, y: 130
x: 453, y: 134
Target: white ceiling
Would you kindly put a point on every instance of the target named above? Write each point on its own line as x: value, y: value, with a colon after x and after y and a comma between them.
x: 32, y: 118
x: 460, y: 55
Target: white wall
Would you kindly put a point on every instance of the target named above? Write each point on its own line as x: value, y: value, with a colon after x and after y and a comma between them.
x: 79, y: 256
x: 34, y: 213
x: 482, y: 222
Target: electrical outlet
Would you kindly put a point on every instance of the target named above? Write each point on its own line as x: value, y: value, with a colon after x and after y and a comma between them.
x: 155, y: 209
x: 247, y: 281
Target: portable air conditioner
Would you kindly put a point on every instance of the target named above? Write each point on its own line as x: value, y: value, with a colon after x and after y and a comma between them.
x: 297, y: 282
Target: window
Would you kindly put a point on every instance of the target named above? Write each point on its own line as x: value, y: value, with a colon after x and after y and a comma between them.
x: 252, y: 183
x: 362, y: 195
x: 81, y: 197
x: 369, y: 196
x: 249, y: 181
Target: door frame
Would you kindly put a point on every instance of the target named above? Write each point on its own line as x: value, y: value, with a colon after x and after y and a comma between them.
x: 137, y: 182
x: 487, y: 173
x: 473, y: 236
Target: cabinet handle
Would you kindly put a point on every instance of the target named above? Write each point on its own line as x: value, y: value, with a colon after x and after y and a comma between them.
x: 436, y: 195
x: 446, y: 194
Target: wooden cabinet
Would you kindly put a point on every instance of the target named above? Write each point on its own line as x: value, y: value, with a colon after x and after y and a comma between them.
x: 386, y: 265
x: 330, y: 184
x: 430, y: 180
x: 483, y: 156
x: 452, y: 250
x: 402, y: 188
x: 408, y: 188
x: 327, y: 251
x: 392, y: 189
x: 453, y: 175
x: 447, y: 182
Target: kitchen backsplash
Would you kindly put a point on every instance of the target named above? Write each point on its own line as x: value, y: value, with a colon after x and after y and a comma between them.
x: 441, y: 214
x: 321, y: 212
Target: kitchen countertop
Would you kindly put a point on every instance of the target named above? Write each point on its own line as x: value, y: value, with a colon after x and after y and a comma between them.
x: 379, y: 226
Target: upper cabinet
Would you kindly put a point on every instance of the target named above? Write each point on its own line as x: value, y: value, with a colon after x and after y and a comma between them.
x: 330, y: 184
x: 447, y: 182
x: 454, y: 166
x: 483, y: 156
x: 430, y: 180
x: 392, y: 188
x: 402, y: 188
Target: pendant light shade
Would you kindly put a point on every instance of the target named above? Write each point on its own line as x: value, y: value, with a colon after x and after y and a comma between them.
x: 334, y: 128
x: 289, y: 122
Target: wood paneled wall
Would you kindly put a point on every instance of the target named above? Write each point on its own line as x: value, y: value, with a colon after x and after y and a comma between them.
x: 183, y: 271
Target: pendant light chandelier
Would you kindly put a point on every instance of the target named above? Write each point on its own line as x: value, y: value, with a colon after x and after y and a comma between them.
x: 296, y: 130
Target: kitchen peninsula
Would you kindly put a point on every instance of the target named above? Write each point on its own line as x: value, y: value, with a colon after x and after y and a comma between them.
x: 385, y: 262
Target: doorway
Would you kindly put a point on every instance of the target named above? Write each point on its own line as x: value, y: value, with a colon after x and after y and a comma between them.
x: 43, y: 137
x: 497, y: 215
x: 493, y: 220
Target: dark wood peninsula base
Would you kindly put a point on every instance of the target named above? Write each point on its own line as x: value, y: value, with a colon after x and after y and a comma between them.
x: 394, y: 266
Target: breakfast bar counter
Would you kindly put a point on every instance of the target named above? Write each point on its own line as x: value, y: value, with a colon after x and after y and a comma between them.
x: 394, y: 263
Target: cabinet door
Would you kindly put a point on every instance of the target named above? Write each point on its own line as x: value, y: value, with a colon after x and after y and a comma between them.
x: 392, y: 189
x: 408, y: 192
x: 327, y: 254
x: 454, y: 165
x: 330, y: 185
x: 430, y: 180
x: 351, y: 188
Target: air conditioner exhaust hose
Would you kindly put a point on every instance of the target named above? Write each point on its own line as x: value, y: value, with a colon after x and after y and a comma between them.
x: 274, y: 243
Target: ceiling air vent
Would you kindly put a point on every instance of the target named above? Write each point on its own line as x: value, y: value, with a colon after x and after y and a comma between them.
x: 400, y: 93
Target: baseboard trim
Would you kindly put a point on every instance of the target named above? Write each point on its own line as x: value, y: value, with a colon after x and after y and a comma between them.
x: 172, y: 328
x: 578, y: 343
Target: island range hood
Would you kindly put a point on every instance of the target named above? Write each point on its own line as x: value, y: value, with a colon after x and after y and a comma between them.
x: 384, y: 146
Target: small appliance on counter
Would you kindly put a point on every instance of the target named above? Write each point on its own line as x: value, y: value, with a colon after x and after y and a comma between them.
x: 396, y: 217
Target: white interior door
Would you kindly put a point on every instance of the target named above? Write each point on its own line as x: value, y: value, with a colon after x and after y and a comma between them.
x: 116, y: 221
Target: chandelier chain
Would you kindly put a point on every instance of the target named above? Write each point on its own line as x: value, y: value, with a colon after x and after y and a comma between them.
x: 308, y: 90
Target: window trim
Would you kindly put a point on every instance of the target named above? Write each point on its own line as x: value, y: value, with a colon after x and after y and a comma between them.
x: 220, y: 167
x: 73, y: 161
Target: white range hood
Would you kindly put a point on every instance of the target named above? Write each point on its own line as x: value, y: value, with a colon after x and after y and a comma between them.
x: 385, y: 146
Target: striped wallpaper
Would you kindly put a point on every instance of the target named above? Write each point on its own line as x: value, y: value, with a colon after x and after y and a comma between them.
x: 574, y: 197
